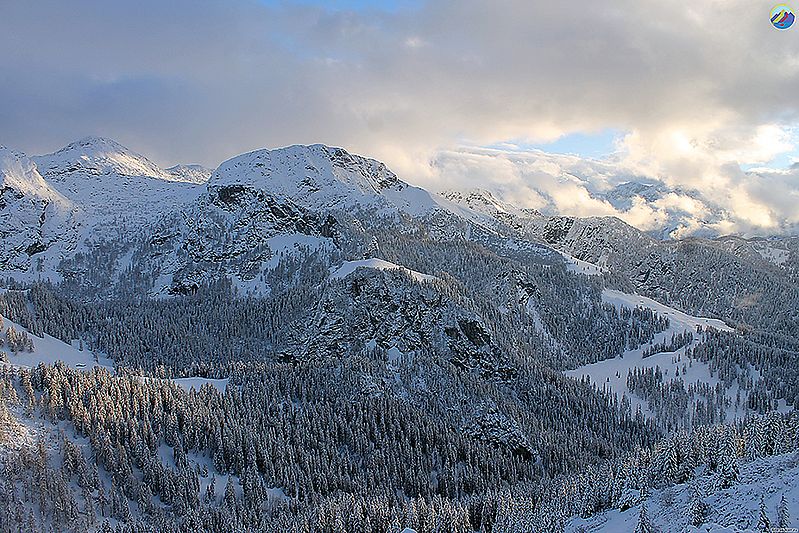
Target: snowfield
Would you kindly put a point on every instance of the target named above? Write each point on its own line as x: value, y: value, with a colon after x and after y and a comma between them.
x: 195, y: 383
x: 578, y: 266
x: 351, y: 266
x: 612, y: 373
x: 679, y: 321
x: 48, y: 350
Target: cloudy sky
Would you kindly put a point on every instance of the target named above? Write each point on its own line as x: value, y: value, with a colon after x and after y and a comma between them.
x: 552, y: 105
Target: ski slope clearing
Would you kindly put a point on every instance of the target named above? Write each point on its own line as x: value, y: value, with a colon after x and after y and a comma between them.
x: 196, y: 383
x: 612, y: 373
x: 578, y: 266
x: 735, y: 509
x: 48, y: 350
x: 679, y: 321
x: 351, y: 266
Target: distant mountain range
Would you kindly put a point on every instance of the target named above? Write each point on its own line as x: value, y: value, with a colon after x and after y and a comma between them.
x: 560, y: 184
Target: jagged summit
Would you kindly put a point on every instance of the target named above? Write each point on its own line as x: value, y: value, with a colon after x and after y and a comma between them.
x: 190, y: 173
x: 96, y: 156
x: 321, y: 177
x: 486, y: 202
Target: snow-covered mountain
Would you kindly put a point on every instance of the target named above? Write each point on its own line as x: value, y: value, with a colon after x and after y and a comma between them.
x: 191, y: 173
x: 589, y: 239
x: 260, y: 205
x: 367, y: 320
x: 34, y: 216
x: 484, y: 201
x: 329, y: 199
x: 779, y: 253
x: 96, y: 156
x: 119, y: 194
x: 319, y: 177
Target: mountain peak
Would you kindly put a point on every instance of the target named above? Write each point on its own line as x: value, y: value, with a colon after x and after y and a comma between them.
x: 369, y: 175
x: 323, y: 177
x: 97, y: 156
x: 476, y: 198
x: 92, y: 141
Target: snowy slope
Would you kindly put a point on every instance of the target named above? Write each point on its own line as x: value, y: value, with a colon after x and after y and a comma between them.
x: 196, y: 383
x: 57, y: 205
x: 48, y: 350
x: 782, y: 252
x: 612, y: 373
x: 190, y: 173
x: 319, y: 177
x: 266, y: 205
x: 350, y: 266
x: 34, y: 216
x: 96, y: 156
x: 578, y: 266
x: 679, y: 321
x: 730, y: 510
x: 485, y: 202
x: 483, y: 208
x: 113, y: 194
x: 119, y: 191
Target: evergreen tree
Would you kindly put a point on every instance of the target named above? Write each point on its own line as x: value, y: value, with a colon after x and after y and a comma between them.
x: 697, y: 509
x: 783, y: 516
x: 644, y: 523
x: 763, y: 522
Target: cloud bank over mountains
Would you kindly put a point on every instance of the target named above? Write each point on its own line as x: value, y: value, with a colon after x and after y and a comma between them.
x: 761, y: 203
x: 698, y: 91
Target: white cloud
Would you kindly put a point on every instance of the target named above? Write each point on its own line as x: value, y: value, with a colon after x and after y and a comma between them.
x: 700, y: 88
x: 745, y: 203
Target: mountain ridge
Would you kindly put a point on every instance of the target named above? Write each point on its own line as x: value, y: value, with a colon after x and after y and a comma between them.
x: 327, y: 193
x: 368, y: 320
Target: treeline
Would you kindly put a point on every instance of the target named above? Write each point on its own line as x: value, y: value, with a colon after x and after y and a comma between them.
x: 734, y: 357
x: 677, y: 341
x: 17, y: 341
x: 676, y: 406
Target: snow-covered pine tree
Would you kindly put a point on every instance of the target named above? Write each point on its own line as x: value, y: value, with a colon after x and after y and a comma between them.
x: 697, y: 508
x: 783, y: 516
x: 728, y: 464
x: 763, y: 522
x: 210, y: 491
x: 644, y: 522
